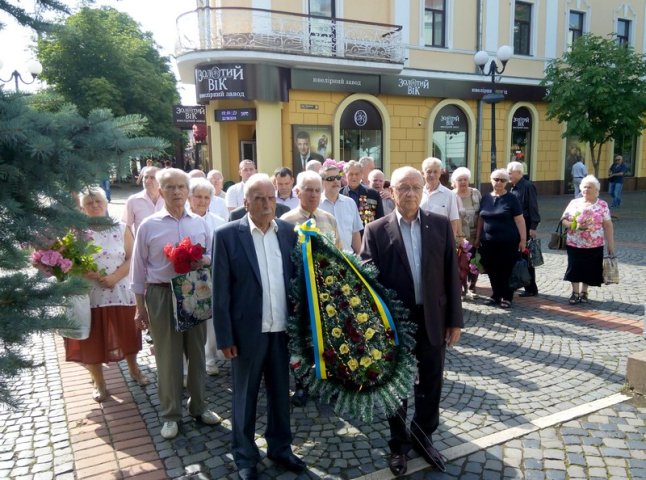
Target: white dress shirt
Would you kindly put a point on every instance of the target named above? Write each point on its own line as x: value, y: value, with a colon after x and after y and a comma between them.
x: 270, y: 264
x: 219, y: 207
x: 442, y: 201
x: 347, y: 217
x: 235, y: 195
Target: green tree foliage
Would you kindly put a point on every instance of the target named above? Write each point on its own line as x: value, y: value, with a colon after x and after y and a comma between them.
x: 101, y: 59
x: 598, y: 90
x: 15, y: 9
x: 47, y: 151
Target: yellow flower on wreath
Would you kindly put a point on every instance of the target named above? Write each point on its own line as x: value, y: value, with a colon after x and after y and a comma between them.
x: 324, y: 297
x: 355, y: 301
x: 376, y: 354
x: 329, y: 280
x: 330, y: 310
x: 366, y: 361
x: 337, y: 332
x: 346, y: 289
x: 353, y: 364
x: 343, y: 349
x: 369, y: 333
x: 362, y: 317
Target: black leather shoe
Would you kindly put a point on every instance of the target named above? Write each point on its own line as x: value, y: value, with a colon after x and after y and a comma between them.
x: 429, y: 453
x: 398, y: 463
x: 289, y: 461
x: 248, y: 473
x: 527, y: 294
x: 299, y: 399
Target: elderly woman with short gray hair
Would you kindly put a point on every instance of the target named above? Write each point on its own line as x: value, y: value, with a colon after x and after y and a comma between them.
x: 589, y: 228
x: 501, y: 236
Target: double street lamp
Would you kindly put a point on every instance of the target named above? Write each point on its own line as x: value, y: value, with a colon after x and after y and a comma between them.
x: 33, y: 66
x: 493, y: 69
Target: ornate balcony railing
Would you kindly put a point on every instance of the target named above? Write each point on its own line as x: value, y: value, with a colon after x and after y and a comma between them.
x: 232, y: 28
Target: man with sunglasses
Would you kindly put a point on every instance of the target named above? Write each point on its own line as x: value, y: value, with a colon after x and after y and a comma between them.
x: 342, y: 208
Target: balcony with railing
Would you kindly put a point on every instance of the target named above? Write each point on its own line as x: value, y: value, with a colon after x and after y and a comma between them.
x: 211, y: 29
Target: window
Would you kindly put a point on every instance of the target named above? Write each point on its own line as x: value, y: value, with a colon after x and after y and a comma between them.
x: 623, y: 32
x: 576, y: 27
x: 434, y: 23
x: 522, y: 28
x: 450, y: 137
x: 521, y: 138
x: 626, y: 146
x: 361, y: 132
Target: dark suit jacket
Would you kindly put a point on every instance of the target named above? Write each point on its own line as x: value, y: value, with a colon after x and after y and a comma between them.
x: 370, y: 193
x: 525, y: 192
x: 384, y: 247
x: 237, y: 288
x: 238, y: 213
x: 297, y: 166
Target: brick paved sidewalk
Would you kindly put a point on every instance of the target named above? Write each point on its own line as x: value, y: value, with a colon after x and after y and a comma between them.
x: 511, y: 371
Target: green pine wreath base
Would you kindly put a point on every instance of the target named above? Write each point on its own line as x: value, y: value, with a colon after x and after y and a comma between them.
x: 396, y: 384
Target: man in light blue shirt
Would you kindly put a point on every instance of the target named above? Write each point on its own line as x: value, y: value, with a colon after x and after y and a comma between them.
x: 578, y: 172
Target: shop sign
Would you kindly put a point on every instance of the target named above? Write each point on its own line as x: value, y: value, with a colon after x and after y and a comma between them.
x: 227, y: 81
x: 185, y: 116
x: 334, y: 81
x: 235, y: 114
x: 521, y: 120
x: 406, y: 86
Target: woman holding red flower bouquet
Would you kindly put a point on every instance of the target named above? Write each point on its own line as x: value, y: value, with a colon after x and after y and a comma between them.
x: 113, y: 335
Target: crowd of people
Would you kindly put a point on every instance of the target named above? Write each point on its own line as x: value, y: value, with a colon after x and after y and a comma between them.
x: 408, y: 227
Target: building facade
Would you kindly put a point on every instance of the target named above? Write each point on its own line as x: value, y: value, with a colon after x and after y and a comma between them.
x: 284, y: 81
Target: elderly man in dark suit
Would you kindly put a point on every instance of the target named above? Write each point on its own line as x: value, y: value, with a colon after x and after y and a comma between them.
x: 367, y: 199
x: 414, y: 251
x: 251, y: 271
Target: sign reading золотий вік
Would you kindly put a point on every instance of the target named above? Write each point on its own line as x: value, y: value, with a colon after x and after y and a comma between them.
x: 227, y: 81
x: 185, y: 116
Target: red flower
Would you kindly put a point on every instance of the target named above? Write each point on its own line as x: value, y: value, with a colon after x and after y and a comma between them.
x: 185, y: 256
x: 361, y: 349
x: 373, y: 374
x: 355, y: 336
x: 328, y: 355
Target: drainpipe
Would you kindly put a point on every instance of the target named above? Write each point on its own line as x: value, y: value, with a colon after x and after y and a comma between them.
x: 479, y: 33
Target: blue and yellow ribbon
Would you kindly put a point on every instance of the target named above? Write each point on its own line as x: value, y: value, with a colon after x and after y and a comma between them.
x: 305, y: 232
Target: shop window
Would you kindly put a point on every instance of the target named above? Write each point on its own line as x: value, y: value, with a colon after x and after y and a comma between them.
x: 574, y: 150
x: 450, y: 137
x: 626, y: 146
x: 521, y: 138
x: 361, y: 132
x: 522, y: 28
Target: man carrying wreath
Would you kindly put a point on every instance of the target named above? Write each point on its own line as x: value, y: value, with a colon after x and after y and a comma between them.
x: 414, y: 251
x: 151, y: 273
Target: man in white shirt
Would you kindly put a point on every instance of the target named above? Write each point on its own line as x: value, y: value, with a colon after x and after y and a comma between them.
x: 284, y: 182
x: 343, y: 209
x: 150, y: 276
x: 143, y: 204
x: 217, y: 206
x: 436, y: 197
x: 235, y: 193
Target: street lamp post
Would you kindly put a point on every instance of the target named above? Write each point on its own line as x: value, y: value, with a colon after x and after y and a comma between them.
x: 481, y: 59
x: 33, y: 66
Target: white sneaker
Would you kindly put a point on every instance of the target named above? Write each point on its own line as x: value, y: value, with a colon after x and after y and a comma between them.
x: 212, y: 370
x: 169, y: 430
x: 209, y: 417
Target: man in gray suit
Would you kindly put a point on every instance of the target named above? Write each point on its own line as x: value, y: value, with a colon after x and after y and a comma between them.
x: 251, y: 271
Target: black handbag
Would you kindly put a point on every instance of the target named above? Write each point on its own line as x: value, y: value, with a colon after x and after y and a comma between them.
x: 535, y: 254
x: 520, y: 276
x: 558, y: 240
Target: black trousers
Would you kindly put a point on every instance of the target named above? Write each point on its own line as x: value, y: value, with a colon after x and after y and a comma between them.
x: 498, y: 259
x: 427, y: 392
x: 532, y: 287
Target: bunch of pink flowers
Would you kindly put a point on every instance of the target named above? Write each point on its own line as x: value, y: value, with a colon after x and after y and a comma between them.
x: 51, y: 263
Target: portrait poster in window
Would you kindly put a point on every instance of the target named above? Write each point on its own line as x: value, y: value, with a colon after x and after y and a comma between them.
x: 310, y: 142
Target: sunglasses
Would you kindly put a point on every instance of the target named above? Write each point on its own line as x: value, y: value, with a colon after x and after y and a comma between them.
x: 332, y: 178
x: 499, y: 180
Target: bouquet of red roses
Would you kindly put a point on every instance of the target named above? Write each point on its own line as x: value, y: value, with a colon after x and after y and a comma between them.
x: 185, y: 256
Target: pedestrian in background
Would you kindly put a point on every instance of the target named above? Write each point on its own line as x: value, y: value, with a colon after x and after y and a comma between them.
x: 469, y: 199
x: 616, y: 175
x: 579, y: 171
x: 589, y: 228
x: 525, y: 192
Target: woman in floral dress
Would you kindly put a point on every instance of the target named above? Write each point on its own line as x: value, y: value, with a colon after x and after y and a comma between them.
x: 589, y: 228
x: 113, y: 335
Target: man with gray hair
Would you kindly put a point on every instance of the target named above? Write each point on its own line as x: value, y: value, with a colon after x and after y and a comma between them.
x: 143, y: 204
x: 366, y: 199
x: 150, y: 277
x: 525, y: 192
x: 436, y: 197
x: 252, y: 269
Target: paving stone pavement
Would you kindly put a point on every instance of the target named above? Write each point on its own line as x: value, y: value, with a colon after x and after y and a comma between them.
x: 513, y: 401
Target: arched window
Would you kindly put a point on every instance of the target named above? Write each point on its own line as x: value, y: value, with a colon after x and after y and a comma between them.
x: 450, y: 137
x: 521, y: 138
x: 361, y: 132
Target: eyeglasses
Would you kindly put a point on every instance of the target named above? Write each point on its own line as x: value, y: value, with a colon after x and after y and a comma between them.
x: 502, y: 180
x: 332, y: 178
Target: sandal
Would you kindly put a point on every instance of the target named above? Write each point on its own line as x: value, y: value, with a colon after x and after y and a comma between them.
x: 583, y: 297
x: 574, y: 298
x: 99, y: 392
x: 141, y: 379
x: 505, y: 304
x: 491, y: 301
